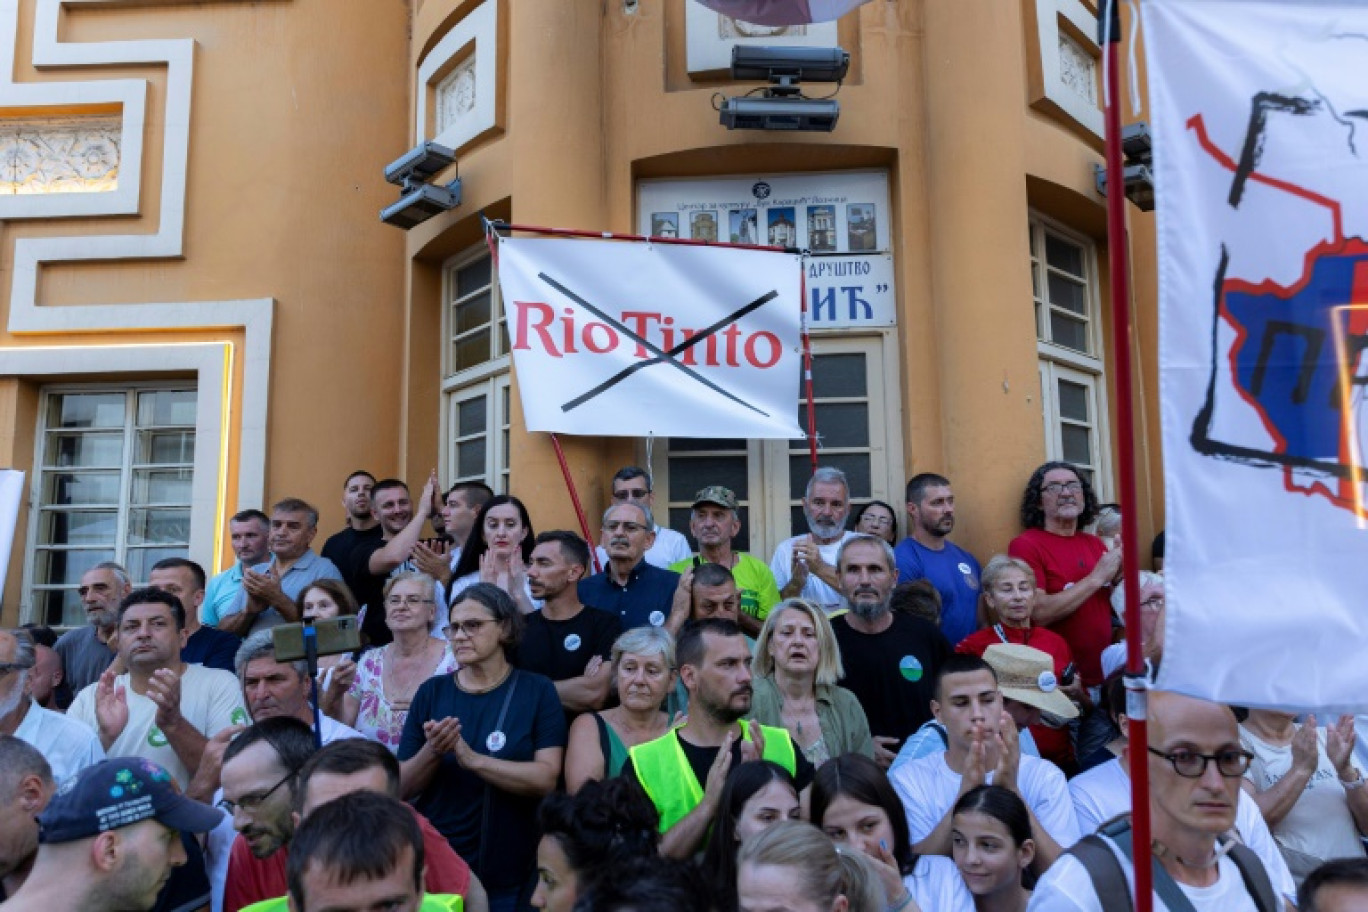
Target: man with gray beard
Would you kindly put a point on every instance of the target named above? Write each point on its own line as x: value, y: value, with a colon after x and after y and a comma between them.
x: 805, y: 566
x: 891, y: 659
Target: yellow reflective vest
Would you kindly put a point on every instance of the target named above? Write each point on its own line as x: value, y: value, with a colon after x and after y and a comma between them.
x: 669, y: 781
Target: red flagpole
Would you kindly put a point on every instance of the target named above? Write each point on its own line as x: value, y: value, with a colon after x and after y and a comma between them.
x: 1117, y: 243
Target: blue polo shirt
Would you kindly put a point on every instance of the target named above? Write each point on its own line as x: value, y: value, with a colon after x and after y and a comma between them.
x: 954, y: 573
x: 307, y: 570
x: 644, y: 601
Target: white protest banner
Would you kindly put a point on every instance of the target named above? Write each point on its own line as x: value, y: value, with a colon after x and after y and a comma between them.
x: 615, y: 338
x: 1261, y: 164
x: 11, y: 496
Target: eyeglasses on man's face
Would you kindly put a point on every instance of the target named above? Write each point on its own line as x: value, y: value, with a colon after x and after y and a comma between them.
x: 250, y: 803
x: 624, y: 526
x: 1231, y: 763
x: 626, y: 494
x: 1059, y: 487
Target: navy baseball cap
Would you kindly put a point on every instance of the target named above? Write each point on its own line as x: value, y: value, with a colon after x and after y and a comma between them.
x: 117, y: 793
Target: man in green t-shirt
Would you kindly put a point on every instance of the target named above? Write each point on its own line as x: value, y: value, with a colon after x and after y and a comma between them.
x: 714, y: 523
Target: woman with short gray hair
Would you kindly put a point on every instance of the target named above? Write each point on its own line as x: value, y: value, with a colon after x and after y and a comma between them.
x: 643, y: 674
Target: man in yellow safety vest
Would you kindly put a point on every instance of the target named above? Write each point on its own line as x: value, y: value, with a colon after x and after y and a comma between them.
x: 684, y: 770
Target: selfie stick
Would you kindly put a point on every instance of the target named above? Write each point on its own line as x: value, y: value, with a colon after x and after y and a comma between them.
x: 311, y: 656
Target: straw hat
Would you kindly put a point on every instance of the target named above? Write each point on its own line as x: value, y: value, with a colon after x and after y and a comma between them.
x: 1026, y: 674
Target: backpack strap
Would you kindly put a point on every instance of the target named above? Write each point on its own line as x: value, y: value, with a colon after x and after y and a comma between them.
x: 1105, y: 871
x: 1164, y: 884
x: 1255, y: 877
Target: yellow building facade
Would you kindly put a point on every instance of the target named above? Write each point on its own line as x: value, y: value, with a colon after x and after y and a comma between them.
x: 203, y: 313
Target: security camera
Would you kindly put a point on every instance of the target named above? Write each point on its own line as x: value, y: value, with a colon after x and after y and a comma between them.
x: 420, y: 163
x: 1135, y: 143
x: 804, y: 64
x: 752, y: 113
x: 421, y: 203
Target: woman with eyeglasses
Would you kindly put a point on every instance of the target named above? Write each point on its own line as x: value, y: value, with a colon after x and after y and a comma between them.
x: 876, y: 518
x: 481, y: 747
x: 373, y: 696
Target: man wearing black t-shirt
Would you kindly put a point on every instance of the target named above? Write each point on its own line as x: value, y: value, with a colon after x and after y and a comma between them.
x: 372, y: 561
x: 361, y: 523
x: 891, y: 659
x: 567, y: 641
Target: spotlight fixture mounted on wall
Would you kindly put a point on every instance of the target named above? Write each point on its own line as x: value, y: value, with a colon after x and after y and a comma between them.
x: 1136, y: 170
x: 782, y: 105
x: 421, y: 200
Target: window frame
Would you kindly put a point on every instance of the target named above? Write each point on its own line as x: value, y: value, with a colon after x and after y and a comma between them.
x: 1056, y: 362
x: 767, y: 461
x: 491, y: 378
x: 124, y: 509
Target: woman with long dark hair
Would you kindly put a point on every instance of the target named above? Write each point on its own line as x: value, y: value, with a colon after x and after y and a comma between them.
x: 498, y: 551
x: 758, y: 794
x: 993, y: 847
x: 853, y: 802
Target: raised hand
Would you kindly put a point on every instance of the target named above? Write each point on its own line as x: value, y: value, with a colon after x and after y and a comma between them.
x: 443, y: 735
x: 754, y: 749
x: 884, y: 863
x: 164, y: 689
x: 427, y: 503
x: 434, y: 560
x: 717, y: 773
x: 111, y: 708
x: 884, y: 752
x: 976, y: 766
x: 1305, y: 750
x: 1009, y: 754
x: 1339, y: 743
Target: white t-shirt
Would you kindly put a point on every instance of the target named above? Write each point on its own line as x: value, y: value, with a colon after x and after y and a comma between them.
x: 67, y: 745
x: 1066, y: 887
x: 211, y: 700
x: 1320, y: 824
x: 928, y: 788
x: 670, y: 547
x: 814, y: 590
x: 219, y: 845
x: 1104, y: 791
x: 936, y: 886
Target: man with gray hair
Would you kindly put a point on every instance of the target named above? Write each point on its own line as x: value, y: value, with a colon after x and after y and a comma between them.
x: 637, y: 592
x: 26, y: 784
x: 270, y: 589
x: 67, y: 745
x: 805, y: 566
x: 86, y: 651
x: 272, y: 688
x: 891, y: 659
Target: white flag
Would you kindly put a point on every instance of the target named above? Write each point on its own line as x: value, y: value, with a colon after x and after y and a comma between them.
x: 1259, y: 114
x: 615, y: 338
x: 11, y: 497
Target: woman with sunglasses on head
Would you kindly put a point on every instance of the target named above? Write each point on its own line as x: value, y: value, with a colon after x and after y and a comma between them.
x: 853, y: 802
x: 498, y: 551
x: 992, y: 846
x: 481, y: 747
x: 373, y: 695
x: 758, y: 794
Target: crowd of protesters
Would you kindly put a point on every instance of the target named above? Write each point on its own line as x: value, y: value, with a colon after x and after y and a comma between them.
x: 867, y: 721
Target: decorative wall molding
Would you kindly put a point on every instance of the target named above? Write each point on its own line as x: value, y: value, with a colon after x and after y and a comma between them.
x: 59, y: 155
x: 464, y: 98
x: 1065, y: 71
x: 26, y: 316
x: 709, y: 37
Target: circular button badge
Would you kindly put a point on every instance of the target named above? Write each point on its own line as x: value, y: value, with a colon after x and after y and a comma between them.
x: 910, y: 668
x: 496, y: 741
x: 657, y: 618
x: 572, y: 642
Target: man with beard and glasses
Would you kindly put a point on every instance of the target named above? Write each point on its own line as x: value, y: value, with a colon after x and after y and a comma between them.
x: 260, y: 780
x: 927, y: 553
x: 85, y: 651
x: 68, y: 746
x: 684, y: 770
x: 805, y: 566
x: 891, y: 659
x: 631, y: 587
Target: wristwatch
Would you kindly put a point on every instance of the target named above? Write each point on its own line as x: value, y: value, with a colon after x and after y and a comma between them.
x: 1353, y: 785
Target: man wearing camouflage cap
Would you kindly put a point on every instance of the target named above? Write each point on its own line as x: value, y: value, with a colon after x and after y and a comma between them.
x: 714, y: 524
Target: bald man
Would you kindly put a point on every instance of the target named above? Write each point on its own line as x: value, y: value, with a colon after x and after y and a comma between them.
x: 1196, y: 764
